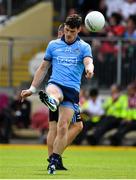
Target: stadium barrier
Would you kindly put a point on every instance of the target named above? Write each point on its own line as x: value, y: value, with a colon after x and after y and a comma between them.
x: 114, y: 60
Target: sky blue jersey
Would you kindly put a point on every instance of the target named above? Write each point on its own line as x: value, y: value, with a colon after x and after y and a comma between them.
x: 67, y: 61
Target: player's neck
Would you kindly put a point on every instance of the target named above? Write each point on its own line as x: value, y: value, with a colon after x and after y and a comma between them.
x: 72, y: 42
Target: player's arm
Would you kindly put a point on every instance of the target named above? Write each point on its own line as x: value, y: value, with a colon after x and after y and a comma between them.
x: 89, y: 67
x: 38, y: 78
x: 40, y: 73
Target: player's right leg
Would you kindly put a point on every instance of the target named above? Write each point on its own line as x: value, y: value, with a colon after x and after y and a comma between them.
x: 65, y: 116
x: 52, y: 97
x: 74, y: 129
x: 66, y: 111
x: 53, y: 119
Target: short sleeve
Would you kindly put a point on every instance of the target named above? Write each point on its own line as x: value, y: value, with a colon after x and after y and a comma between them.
x: 87, y: 52
x: 48, y: 52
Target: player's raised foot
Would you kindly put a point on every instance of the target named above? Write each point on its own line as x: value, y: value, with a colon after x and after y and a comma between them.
x: 48, y: 101
x: 51, y: 169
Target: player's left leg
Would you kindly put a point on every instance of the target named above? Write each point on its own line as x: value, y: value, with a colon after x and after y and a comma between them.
x: 74, y: 130
x: 51, y: 136
x: 76, y: 125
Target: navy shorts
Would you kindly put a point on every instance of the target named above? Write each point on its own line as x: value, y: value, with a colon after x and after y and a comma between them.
x: 53, y: 116
x: 70, y: 94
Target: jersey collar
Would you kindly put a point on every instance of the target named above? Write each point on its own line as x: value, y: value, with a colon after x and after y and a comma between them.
x: 77, y: 39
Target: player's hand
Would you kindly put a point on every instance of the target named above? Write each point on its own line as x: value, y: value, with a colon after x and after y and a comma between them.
x: 25, y: 93
x: 89, y: 74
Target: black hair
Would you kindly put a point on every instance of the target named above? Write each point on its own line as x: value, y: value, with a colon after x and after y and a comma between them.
x: 93, y: 92
x: 73, y: 21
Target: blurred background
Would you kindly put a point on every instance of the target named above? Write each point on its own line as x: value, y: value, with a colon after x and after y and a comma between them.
x: 108, y: 100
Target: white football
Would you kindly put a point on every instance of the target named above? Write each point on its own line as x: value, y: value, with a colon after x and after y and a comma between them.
x: 94, y: 21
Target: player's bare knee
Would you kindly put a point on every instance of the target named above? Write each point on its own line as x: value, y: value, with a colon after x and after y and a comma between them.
x: 62, y: 128
x: 60, y: 97
x: 54, y: 91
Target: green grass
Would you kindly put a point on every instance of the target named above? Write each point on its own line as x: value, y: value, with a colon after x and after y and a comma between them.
x: 29, y: 162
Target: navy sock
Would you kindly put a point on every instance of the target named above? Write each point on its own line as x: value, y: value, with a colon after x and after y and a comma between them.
x: 55, y: 158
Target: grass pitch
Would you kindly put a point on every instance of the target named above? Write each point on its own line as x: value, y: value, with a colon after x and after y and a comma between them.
x: 29, y: 162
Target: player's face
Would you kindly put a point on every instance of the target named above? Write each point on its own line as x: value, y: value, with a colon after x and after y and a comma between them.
x: 70, y: 34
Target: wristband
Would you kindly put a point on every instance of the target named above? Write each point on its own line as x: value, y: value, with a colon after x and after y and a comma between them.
x: 33, y: 89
